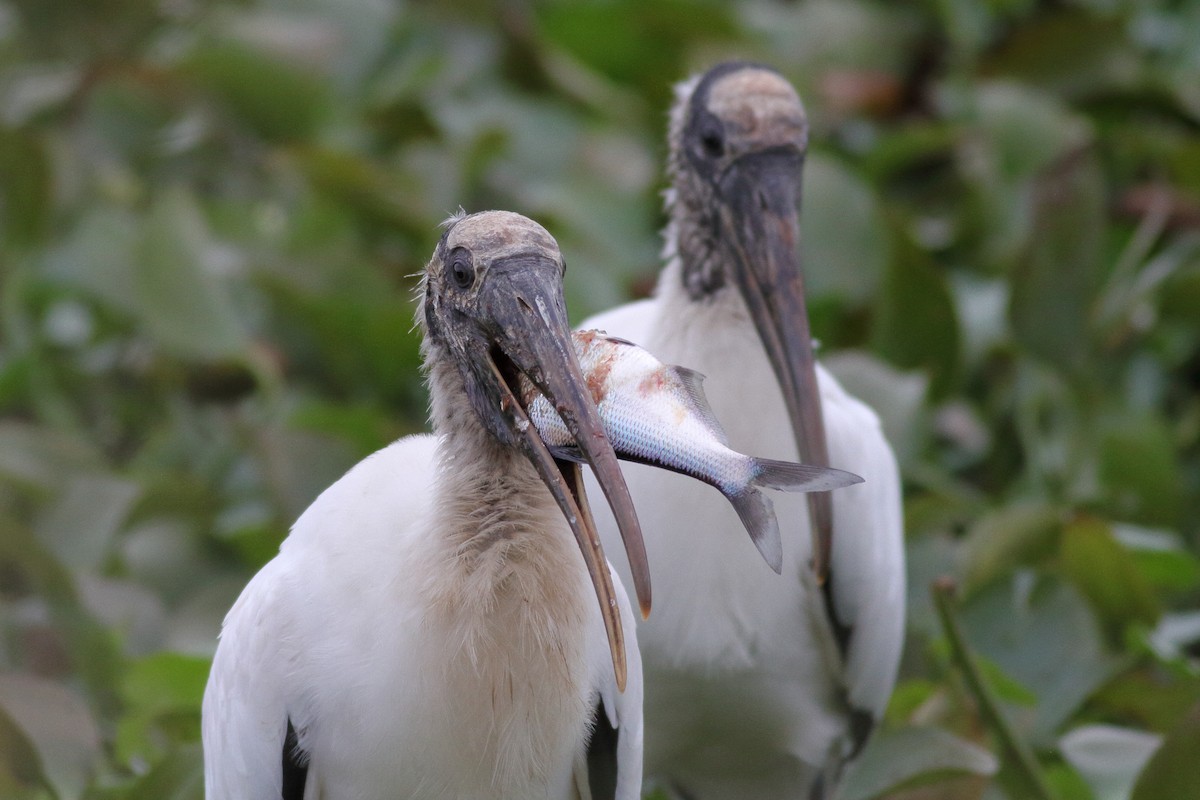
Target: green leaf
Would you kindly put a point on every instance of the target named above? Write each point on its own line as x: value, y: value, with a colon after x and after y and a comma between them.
x: 353, y: 182
x: 844, y: 246
x: 915, y: 325
x: 1148, y: 697
x: 60, y: 727
x: 178, y: 776
x: 367, y: 428
x: 1066, y: 783
x: 1068, y: 50
x: 181, y: 298
x: 1004, y: 685
x: 81, y: 524
x: 42, y: 457
x: 1006, y: 538
x: 1055, y: 281
x: 908, y: 696
x: 98, y: 255
x: 1139, y: 470
x: 1026, y: 131
x: 277, y: 100
x: 166, y: 681
x: 630, y: 40
x: 130, y: 610
x: 1019, y: 771
x: 163, y: 694
x: 911, y: 756
x: 1172, y: 772
x: 1043, y: 635
x: 22, y: 776
x: 1173, y: 570
x: 1103, y: 570
x: 93, y: 654
x: 25, y: 188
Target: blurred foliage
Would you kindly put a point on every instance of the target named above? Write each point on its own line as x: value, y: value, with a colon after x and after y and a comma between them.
x: 210, y: 219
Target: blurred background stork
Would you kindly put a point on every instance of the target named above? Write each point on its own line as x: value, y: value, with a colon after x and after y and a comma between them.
x: 763, y: 688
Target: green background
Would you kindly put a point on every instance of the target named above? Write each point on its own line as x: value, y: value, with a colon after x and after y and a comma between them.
x: 211, y: 215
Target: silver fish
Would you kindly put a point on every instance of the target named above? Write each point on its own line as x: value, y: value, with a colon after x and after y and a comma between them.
x: 657, y: 414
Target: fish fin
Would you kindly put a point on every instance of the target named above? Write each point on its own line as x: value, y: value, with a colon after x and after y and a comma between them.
x: 605, y: 335
x: 693, y: 385
x: 568, y: 452
x: 788, y: 476
x: 757, y: 514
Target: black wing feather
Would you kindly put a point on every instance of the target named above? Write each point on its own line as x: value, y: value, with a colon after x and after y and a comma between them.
x: 295, y: 771
x: 602, y: 756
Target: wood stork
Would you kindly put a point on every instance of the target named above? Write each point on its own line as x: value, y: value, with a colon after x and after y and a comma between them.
x: 427, y: 629
x: 758, y: 686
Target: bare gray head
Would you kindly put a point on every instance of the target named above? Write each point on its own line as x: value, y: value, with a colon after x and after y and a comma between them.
x: 494, y: 310
x: 738, y: 139
x: 465, y: 313
x: 739, y: 135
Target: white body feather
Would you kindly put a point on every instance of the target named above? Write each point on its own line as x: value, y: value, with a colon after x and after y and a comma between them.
x: 430, y: 630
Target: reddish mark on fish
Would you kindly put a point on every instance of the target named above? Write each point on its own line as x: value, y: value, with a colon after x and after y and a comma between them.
x: 653, y: 383
x: 597, y: 375
x: 587, y: 338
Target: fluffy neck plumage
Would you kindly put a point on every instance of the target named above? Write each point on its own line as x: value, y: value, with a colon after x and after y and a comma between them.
x: 503, y: 544
x: 504, y: 595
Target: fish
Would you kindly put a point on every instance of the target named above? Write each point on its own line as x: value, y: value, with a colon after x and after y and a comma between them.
x: 657, y: 414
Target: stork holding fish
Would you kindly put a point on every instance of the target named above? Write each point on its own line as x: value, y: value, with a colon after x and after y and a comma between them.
x: 758, y: 686
x: 428, y: 629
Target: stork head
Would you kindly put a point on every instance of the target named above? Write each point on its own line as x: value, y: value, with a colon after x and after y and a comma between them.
x: 739, y: 135
x: 494, y: 307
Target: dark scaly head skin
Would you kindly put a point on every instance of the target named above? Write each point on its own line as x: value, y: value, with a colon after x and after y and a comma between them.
x: 460, y: 310
x: 738, y: 139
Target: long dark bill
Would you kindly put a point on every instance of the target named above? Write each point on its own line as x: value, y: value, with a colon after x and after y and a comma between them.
x: 761, y: 193
x: 536, y: 339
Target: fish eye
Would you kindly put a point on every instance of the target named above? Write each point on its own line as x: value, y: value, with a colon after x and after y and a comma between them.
x: 461, y: 271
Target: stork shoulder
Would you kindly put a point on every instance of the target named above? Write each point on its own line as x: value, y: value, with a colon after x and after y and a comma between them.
x: 835, y: 400
x: 375, y: 502
x: 633, y: 321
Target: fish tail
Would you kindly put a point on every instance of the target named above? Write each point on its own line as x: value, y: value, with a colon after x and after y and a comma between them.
x: 790, y: 477
x: 758, y: 517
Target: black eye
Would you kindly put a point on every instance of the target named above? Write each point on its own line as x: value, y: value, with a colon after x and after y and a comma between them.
x: 712, y: 139
x: 461, y: 271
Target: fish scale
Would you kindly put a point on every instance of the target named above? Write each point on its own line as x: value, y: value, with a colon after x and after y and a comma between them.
x: 657, y: 414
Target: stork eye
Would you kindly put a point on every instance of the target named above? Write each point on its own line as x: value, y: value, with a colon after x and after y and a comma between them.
x: 461, y: 271
x: 712, y: 139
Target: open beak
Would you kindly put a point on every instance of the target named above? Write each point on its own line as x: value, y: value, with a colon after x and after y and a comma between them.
x: 759, y: 210
x: 534, y: 339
